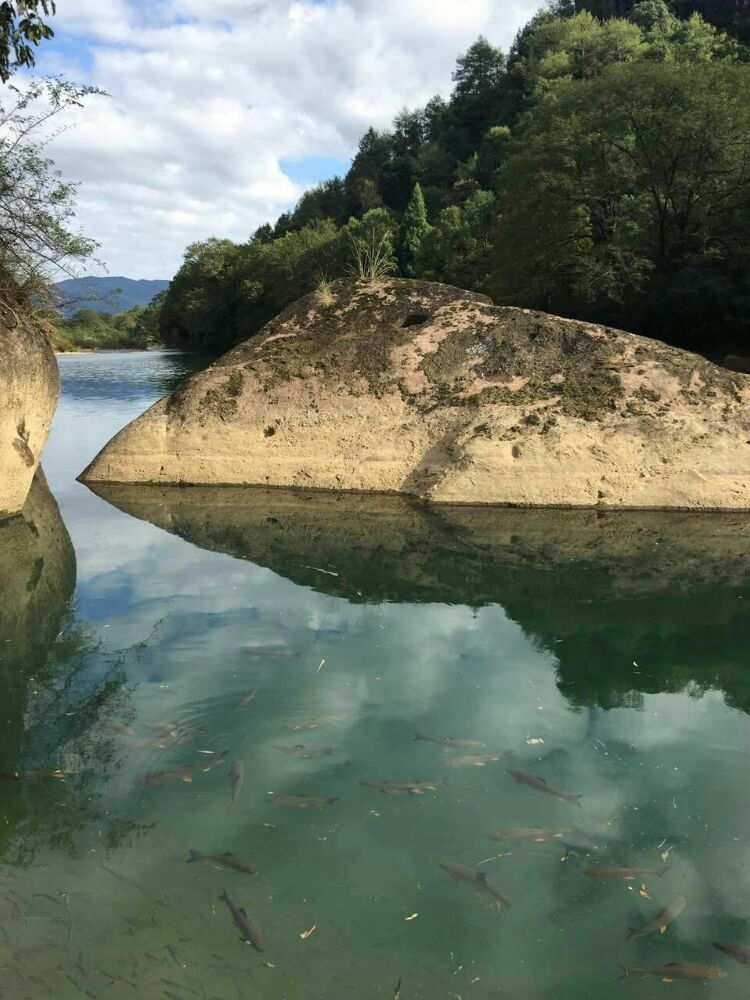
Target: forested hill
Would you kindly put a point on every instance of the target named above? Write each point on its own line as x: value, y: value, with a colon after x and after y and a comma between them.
x: 106, y: 295
x: 600, y: 169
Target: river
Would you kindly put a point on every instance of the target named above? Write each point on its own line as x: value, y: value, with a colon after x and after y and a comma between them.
x: 157, y: 641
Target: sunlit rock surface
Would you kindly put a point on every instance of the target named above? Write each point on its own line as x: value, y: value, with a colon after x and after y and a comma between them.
x: 29, y: 388
x: 419, y: 388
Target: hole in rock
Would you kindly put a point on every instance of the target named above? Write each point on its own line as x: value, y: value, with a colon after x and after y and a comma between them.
x: 416, y: 319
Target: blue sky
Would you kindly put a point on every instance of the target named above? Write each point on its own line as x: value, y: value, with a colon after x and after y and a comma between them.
x: 220, y: 115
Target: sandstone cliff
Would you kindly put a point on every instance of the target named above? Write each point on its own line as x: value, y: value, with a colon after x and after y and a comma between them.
x: 428, y: 390
x: 29, y: 388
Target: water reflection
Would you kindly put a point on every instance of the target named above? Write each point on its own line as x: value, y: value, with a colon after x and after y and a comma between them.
x: 627, y: 603
x: 55, y: 751
x: 259, y: 621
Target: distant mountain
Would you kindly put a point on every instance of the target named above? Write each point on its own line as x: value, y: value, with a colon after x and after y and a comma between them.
x: 106, y: 295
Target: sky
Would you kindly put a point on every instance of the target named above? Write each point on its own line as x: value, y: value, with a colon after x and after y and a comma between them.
x: 220, y: 114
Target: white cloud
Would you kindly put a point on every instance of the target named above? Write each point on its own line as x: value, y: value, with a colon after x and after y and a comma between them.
x: 206, y: 100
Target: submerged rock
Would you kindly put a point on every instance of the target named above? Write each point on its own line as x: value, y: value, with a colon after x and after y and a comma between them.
x: 424, y: 389
x: 29, y: 387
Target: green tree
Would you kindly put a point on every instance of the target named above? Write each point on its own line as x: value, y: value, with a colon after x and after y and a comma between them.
x: 627, y: 199
x: 22, y: 28
x: 479, y: 98
x: 414, y: 229
x: 458, y: 248
x: 36, y: 204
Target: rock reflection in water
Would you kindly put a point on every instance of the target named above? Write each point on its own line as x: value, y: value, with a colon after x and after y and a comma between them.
x: 53, y: 747
x: 614, y: 596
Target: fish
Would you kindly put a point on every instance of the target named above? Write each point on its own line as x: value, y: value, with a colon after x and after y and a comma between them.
x: 405, y: 788
x: 300, y: 801
x: 226, y: 860
x: 474, y: 759
x: 164, y: 729
x: 251, y: 933
x: 250, y: 696
x: 237, y: 777
x: 615, y: 871
x: 147, y: 742
x: 210, y: 765
x: 323, y: 720
x: 448, y: 741
x: 46, y: 774
x: 740, y: 952
x: 676, y: 970
x: 460, y: 873
x: 524, y: 778
x: 162, y: 777
x: 535, y: 833
x: 306, y: 753
x: 661, y: 921
x: 118, y: 729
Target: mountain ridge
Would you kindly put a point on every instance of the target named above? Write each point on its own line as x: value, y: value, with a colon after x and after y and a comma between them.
x: 111, y: 294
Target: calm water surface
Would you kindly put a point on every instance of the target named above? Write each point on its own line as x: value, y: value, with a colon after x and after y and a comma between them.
x: 311, y: 638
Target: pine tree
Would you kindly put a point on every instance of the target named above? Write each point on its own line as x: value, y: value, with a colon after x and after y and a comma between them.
x: 414, y: 228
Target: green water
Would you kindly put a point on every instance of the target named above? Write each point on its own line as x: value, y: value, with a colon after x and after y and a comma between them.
x: 607, y: 654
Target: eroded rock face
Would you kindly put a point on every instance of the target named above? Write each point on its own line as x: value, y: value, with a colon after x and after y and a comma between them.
x: 29, y: 389
x: 428, y: 390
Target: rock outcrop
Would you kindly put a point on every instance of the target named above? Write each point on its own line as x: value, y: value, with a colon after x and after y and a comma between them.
x: 428, y: 390
x: 29, y: 388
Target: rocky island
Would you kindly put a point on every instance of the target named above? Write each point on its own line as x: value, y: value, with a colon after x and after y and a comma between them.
x: 424, y: 389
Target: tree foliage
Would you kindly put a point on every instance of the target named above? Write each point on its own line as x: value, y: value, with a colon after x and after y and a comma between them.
x: 89, y: 329
x: 598, y: 170
x: 22, y: 28
x: 414, y: 230
x: 641, y: 185
x: 36, y: 204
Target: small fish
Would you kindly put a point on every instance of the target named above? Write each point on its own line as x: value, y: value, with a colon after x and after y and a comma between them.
x: 323, y: 720
x: 118, y: 729
x: 251, y: 933
x: 237, y: 777
x: 677, y: 970
x: 300, y: 801
x: 739, y: 952
x: 167, y: 730
x: 147, y: 742
x: 162, y: 777
x: 661, y: 921
x: 306, y: 753
x: 474, y: 760
x: 615, y: 871
x: 524, y: 778
x: 226, y: 860
x: 250, y: 696
x: 210, y: 765
x: 537, y: 834
x: 460, y: 873
x: 448, y: 741
x: 405, y: 788
x: 46, y: 774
